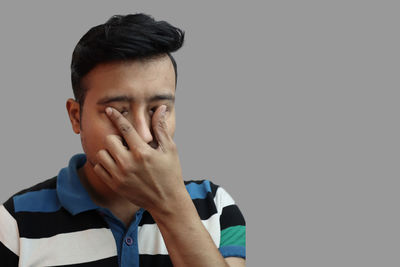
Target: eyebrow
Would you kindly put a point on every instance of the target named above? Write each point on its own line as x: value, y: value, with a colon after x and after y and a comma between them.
x: 125, y: 98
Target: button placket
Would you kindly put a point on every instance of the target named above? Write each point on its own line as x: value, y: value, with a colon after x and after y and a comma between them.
x: 129, y: 241
x: 129, y: 244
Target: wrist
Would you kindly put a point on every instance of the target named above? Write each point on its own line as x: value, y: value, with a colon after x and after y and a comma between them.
x: 177, y: 208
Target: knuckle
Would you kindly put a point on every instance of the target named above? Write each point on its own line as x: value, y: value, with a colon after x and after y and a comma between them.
x: 162, y: 124
x: 116, y: 116
x: 163, y: 148
x: 122, y: 163
x: 145, y: 153
x: 125, y: 128
x: 127, y: 165
x: 108, y: 141
x: 96, y: 168
x: 173, y: 147
x: 118, y: 182
x: 119, y: 159
x: 100, y: 154
x: 141, y: 155
x: 138, y: 157
x: 126, y: 169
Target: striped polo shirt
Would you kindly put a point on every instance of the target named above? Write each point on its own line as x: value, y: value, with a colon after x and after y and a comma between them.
x: 55, y: 223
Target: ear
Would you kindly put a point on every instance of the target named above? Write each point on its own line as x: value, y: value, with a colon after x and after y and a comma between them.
x: 74, y: 115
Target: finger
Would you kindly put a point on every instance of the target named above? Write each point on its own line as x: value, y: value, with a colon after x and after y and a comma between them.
x: 107, y: 162
x: 115, y: 147
x: 102, y: 173
x: 160, y: 128
x: 128, y: 132
x: 123, y: 142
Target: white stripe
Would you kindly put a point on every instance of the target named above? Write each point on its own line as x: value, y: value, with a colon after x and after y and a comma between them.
x: 9, y: 234
x: 68, y: 248
x: 151, y: 241
x: 213, y: 227
x: 222, y: 199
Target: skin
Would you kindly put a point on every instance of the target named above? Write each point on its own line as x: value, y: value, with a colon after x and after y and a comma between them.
x: 126, y: 126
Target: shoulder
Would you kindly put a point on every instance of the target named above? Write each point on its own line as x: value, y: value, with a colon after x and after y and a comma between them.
x: 39, y: 195
x: 28, y: 199
x: 201, y: 188
x: 206, y: 189
x: 46, y: 184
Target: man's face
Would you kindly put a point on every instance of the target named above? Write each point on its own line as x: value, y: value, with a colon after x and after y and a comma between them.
x: 136, y: 89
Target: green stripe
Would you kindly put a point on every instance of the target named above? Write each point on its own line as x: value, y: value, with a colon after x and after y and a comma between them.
x: 233, y: 236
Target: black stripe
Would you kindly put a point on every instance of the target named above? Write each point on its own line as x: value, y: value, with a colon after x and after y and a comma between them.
x: 193, y: 181
x: 8, y: 258
x: 109, y: 262
x: 9, y: 205
x: 146, y: 219
x: 47, y: 224
x: 154, y: 260
x: 205, y: 208
x: 48, y: 184
x: 214, y: 188
x: 231, y: 216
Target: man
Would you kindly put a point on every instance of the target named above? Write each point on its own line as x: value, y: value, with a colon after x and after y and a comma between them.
x: 123, y: 202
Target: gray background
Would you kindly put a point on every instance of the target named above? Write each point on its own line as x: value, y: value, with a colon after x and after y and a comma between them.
x: 292, y: 106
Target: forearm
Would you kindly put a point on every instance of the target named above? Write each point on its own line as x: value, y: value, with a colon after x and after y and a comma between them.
x: 187, y: 240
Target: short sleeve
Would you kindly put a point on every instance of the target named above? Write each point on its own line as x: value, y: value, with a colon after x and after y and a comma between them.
x: 232, y: 224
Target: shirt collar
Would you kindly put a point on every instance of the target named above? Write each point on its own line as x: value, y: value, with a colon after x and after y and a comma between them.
x: 71, y: 193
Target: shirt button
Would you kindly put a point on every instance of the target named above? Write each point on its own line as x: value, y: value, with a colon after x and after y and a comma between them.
x: 129, y: 241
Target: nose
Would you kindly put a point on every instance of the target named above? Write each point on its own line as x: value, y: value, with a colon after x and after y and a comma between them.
x: 142, y: 124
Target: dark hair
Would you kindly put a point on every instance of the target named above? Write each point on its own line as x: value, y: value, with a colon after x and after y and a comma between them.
x: 122, y: 38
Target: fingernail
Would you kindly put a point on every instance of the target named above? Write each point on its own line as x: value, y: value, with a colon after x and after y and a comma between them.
x: 108, y: 111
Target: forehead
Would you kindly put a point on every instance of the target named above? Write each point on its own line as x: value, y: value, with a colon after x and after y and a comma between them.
x: 140, y: 79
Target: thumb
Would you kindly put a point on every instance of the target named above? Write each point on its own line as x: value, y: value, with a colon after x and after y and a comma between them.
x: 160, y: 127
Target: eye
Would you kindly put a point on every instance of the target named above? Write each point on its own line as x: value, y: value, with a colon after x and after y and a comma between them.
x: 124, y: 112
x: 151, y: 111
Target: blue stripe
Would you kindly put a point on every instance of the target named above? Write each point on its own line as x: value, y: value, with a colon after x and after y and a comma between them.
x: 199, y: 190
x: 233, y: 251
x: 44, y: 200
